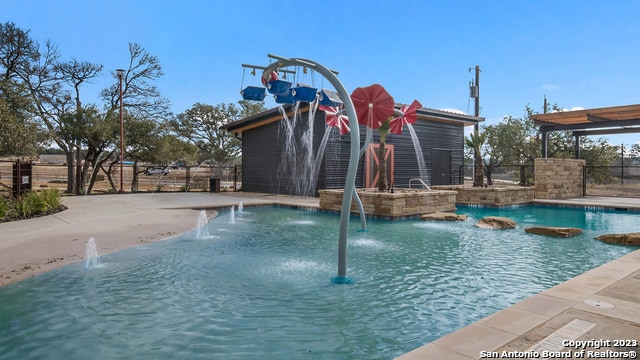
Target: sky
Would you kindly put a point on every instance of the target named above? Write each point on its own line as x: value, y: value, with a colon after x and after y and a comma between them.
x: 577, y: 53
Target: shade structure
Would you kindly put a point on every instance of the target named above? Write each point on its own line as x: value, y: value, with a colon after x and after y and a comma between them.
x: 335, y: 118
x: 304, y: 93
x: 373, y: 105
x: 278, y: 87
x: 286, y: 98
x: 409, y: 116
x: 329, y: 98
x: 254, y: 93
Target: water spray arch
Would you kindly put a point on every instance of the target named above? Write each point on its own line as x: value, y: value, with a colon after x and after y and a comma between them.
x: 354, y: 154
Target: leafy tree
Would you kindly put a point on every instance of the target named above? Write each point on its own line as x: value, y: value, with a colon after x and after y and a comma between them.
x: 33, y: 70
x: 200, y: 125
x: 20, y: 133
x: 75, y: 73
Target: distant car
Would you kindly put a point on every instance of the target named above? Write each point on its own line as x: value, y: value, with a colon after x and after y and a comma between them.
x: 156, y: 171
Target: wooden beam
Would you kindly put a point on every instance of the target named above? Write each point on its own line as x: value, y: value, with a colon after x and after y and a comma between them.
x: 595, y: 118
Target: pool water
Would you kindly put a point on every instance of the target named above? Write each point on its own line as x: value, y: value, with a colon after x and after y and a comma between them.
x: 260, y: 287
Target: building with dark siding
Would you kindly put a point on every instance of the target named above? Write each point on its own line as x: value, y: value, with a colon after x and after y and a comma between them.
x: 281, y: 151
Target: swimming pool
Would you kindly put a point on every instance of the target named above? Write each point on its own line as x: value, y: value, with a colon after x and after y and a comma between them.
x: 260, y: 287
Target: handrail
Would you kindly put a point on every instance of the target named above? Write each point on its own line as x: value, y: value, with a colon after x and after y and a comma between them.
x: 420, y: 181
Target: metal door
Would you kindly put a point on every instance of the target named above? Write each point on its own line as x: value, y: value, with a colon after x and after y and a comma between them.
x: 441, y: 167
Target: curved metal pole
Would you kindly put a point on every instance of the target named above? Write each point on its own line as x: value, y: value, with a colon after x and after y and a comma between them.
x: 353, y: 157
x: 356, y: 197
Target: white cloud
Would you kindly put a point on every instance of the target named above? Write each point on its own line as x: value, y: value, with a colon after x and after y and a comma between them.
x: 550, y: 87
x: 455, y: 111
x: 575, y: 108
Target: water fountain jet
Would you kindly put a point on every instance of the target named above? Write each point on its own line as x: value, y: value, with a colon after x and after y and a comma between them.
x: 92, y: 260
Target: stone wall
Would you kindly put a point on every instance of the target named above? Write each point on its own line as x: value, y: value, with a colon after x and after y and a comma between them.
x: 495, y: 196
x: 402, y: 203
x: 558, y: 178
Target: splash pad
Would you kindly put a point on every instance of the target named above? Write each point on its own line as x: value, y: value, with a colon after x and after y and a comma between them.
x: 284, y: 90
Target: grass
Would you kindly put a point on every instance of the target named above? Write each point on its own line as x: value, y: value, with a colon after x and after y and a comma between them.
x: 32, y: 204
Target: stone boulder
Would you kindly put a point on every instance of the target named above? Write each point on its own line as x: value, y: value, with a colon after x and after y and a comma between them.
x: 495, y: 222
x: 553, y: 231
x: 624, y: 239
x: 443, y: 216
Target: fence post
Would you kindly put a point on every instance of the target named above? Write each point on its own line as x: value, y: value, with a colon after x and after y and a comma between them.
x: 235, y: 177
x: 186, y: 180
x: 584, y: 181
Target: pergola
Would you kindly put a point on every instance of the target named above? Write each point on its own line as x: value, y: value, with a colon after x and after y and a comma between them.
x: 601, y: 121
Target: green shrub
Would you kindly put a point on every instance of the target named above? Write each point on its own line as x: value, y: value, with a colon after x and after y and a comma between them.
x: 52, y: 198
x: 24, y: 207
x: 30, y: 204
x: 6, y: 208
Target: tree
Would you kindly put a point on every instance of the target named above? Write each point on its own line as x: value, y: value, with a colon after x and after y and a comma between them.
x: 141, y: 100
x: 140, y: 97
x: 475, y: 142
x: 200, y: 125
x: 20, y: 134
x: 517, y: 141
x: 33, y: 70
x: 75, y: 73
x: 149, y: 141
x: 384, y: 129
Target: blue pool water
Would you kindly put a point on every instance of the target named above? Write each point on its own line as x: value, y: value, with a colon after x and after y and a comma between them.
x: 260, y: 287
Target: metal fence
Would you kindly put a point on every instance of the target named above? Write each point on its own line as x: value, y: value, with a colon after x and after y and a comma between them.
x: 188, y: 178
x: 522, y: 175
x: 620, y: 181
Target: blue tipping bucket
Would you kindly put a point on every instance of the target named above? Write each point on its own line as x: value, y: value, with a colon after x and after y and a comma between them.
x: 329, y: 98
x: 304, y: 93
x: 287, y: 98
x: 278, y: 87
x: 254, y: 93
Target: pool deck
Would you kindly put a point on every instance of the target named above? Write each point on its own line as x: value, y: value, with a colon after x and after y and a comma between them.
x: 601, y: 304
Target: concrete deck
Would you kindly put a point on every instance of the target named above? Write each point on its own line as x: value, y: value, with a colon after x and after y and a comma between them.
x: 601, y: 304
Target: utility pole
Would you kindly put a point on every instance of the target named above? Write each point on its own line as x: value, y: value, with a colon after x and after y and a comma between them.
x: 474, y: 89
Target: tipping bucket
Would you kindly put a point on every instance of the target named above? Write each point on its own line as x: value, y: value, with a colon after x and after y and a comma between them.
x: 286, y: 98
x: 304, y: 93
x: 278, y: 87
x: 329, y: 98
x: 255, y: 93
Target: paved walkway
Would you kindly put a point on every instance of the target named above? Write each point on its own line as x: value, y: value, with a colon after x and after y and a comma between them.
x: 601, y: 304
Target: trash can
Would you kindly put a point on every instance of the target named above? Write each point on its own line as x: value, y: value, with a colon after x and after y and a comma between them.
x: 214, y: 185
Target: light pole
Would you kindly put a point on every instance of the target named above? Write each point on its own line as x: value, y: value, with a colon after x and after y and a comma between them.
x: 120, y: 73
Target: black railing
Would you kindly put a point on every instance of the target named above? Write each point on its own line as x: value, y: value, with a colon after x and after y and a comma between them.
x: 522, y: 175
x: 621, y: 181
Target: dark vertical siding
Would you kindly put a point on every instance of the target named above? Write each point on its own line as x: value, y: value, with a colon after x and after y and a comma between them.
x: 263, y: 146
x: 431, y: 135
x: 263, y: 155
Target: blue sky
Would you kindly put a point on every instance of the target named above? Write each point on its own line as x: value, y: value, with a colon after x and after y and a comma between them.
x: 580, y: 54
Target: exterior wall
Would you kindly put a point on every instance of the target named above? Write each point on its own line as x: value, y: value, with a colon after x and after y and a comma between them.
x: 263, y: 170
x: 264, y: 166
x: 558, y: 178
x: 393, y: 205
x: 431, y: 135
